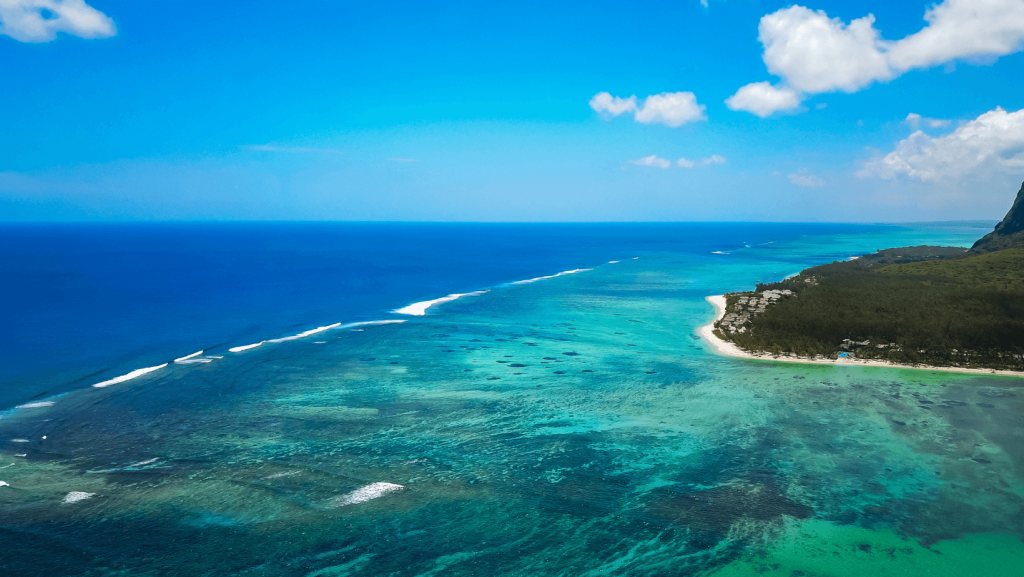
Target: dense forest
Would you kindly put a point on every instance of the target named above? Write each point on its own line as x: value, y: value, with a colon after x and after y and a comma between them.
x: 918, y: 305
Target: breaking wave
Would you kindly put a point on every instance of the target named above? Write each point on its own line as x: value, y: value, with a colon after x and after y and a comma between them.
x: 129, y: 376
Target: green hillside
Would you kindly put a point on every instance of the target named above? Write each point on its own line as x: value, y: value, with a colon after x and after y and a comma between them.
x: 966, y: 311
x: 1003, y: 269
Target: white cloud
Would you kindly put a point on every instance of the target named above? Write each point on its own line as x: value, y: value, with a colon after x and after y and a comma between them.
x: 41, y: 20
x: 814, y: 54
x: 671, y: 109
x: 962, y: 29
x: 668, y: 108
x: 656, y: 161
x: 993, y: 141
x: 803, y: 177
x: 763, y: 99
x: 651, y: 160
x: 915, y: 120
x: 613, y: 105
x: 713, y: 159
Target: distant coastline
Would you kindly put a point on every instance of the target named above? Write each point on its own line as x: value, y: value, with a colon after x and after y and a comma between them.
x: 726, y: 348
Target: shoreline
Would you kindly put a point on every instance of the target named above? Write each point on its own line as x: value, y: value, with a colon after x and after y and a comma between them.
x: 731, y: 350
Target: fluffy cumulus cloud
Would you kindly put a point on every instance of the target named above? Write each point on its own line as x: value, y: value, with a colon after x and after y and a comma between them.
x: 993, y: 141
x: 651, y: 160
x: 962, y: 29
x: 814, y: 54
x: 668, y: 108
x: 612, y: 105
x: 803, y: 177
x: 41, y: 20
x: 763, y: 99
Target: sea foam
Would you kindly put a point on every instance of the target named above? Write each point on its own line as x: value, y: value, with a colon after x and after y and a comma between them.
x: 76, y: 496
x: 129, y: 376
x: 305, y: 334
x: 245, y: 347
x: 311, y: 332
x: 365, y: 493
x: 35, y: 405
x: 530, y: 280
x: 371, y: 323
x: 419, y: 309
x: 187, y: 357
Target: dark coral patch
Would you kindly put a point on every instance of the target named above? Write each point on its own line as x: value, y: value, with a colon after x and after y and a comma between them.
x: 714, y: 511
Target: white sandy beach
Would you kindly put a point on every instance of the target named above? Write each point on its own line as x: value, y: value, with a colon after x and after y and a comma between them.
x: 730, y: 349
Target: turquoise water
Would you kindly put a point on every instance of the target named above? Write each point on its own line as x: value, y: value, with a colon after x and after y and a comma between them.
x: 574, y: 425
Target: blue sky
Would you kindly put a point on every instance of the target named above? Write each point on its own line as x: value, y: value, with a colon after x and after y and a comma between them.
x: 518, y: 111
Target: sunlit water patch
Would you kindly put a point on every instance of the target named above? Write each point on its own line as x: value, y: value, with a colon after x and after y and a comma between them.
x: 570, y: 426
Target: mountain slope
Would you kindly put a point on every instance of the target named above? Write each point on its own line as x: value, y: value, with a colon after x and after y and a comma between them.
x: 1009, y: 233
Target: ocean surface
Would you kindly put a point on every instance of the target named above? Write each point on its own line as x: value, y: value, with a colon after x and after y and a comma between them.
x: 428, y: 399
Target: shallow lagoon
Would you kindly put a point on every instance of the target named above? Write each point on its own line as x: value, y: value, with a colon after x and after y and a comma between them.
x: 571, y: 426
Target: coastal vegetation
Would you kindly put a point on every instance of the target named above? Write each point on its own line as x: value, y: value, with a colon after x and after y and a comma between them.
x: 941, y: 306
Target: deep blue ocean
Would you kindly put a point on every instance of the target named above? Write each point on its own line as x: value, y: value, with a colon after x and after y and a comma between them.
x: 87, y: 302
x: 473, y: 399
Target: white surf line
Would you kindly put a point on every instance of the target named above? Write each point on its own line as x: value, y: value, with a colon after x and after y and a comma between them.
x: 304, y: 334
x: 146, y: 462
x: 310, y: 332
x: 76, y: 496
x: 364, y: 493
x: 245, y: 347
x: 129, y: 376
x: 372, y: 323
x: 35, y: 405
x: 419, y: 309
x: 187, y: 357
x: 613, y: 262
x: 279, y: 475
x: 530, y: 280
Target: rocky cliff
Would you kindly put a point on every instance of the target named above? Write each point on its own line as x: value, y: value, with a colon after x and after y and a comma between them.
x: 1009, y: 233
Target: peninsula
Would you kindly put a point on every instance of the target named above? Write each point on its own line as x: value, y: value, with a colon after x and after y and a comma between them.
x: 930, y: 307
